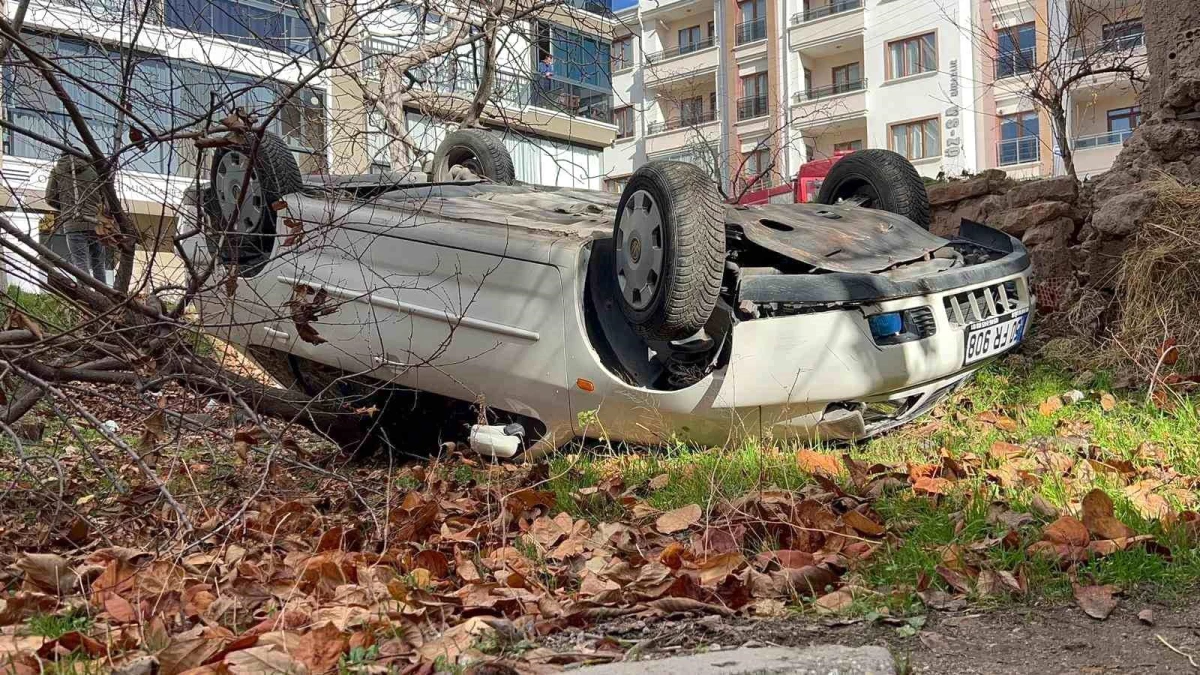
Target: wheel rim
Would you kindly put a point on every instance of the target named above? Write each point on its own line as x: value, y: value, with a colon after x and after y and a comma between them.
x: 245, y: 213
x: 640, y: 250
x: 466, y: 159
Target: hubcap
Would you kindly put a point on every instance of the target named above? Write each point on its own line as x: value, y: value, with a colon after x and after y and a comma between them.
x: 639, y: 250
x: 242, y: 209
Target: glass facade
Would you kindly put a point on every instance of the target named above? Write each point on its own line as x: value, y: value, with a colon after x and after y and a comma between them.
x: 265, y: 24
x: 163, y: 93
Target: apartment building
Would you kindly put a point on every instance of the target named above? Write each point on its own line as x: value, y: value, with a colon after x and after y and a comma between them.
x: 701, y: 81
x: 946, y: 84
x: 555, y: 124
x: 183, y: 50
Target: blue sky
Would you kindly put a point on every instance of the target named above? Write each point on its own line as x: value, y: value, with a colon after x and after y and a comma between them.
x: 622, y: 4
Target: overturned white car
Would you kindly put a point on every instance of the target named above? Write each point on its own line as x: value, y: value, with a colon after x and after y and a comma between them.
x: 664, y: 313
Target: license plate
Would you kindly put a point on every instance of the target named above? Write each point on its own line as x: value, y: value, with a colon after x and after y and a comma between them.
x: 994, y: 336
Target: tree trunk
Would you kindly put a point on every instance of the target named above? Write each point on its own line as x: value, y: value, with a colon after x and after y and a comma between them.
x: 1061, y: 135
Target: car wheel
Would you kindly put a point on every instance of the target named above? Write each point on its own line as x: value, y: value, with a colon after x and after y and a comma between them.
x: 479, y: 151
x: 878, y: 179
x: 268, y: 171
x: 669, y: 249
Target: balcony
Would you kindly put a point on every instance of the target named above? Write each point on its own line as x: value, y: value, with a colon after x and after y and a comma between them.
x: 1094, y: 154
x: 750, y: 31
x: 681, y: 122
x: 682, y: 132
x: 751, y: 107
x: 824, y: 28
x: 601, y: 7
x: 1014, y: 63
x: 1125, y: 45
x: 836, y: 7
x: 1021, y: 150
x: 680, y: 50
x: 682, y: 65
x: 825, y: 107
x: 831, y: 90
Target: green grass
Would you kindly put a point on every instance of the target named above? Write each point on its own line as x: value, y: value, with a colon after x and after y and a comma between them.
x: 45, y: 308
x: 1012, y: 389
x: 54, y: 626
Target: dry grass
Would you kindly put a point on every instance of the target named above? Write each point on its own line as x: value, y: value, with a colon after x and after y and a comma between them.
x: 1159, y: 281
x: 1157, y: 297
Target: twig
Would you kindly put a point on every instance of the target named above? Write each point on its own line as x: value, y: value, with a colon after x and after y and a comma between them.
x: 1191, y: 659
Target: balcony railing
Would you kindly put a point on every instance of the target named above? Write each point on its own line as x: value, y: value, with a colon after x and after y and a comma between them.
x: 603, y: 7
x: 835, y: 7
x: 1018, y: 150
x: 1124, y: 43
x: 1014, y: 63
x: 751, y: 31
x: 831, y: 90
x: 680, y: 50
x: 1100, y: 140
x: 751, y: 183
x: 749, y: 107
x: 681, y: 122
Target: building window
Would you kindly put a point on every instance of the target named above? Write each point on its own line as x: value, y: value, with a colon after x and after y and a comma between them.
x: 1015, y: 51
x: 912, y: 56
x: 690, y: 40
x: 754, y: 164
x: 847, y: 78
x: 753, y: 24
x: 268, y: 25
x: 623, y: 118
x: 921, y: 139
x: 616, y: 185
x: 847, y: 146
x: 1123, y: 35
x: 1124, y: 119
x: 691, y: 110
x: 622, y: 53
x: 753, y: 102
x: 1019, y: 141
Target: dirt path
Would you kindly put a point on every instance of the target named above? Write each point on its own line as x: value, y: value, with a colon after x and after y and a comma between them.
x: 1055, y: 640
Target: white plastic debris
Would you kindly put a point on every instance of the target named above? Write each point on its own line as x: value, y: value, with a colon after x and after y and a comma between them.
x: 1072, y: 397
x: 111, y: 426
x: 492, y: 441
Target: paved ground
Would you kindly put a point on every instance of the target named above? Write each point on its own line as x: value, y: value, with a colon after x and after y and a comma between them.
x: 819, y: 660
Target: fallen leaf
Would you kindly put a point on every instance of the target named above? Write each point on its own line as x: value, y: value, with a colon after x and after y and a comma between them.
x: 862, y: 524
x: 814, y: 462
x: 263, y: 661
x: 1099, y: 519
x: 679, y: 519
x: 1043, y: 507
x: 660, y: 481
x: 1066, y: 530
x: 1108, y: 402
x: 321, y: 648
x: 1050, y: 406
x: 1096, y: 601
x: 48, y: 572
x: 835, y: 601
x: 1146, y: 616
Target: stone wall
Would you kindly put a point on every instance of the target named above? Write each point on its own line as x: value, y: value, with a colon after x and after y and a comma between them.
x: 1046, y: 215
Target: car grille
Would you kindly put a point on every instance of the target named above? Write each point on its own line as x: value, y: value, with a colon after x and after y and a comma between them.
x: 983, y: 303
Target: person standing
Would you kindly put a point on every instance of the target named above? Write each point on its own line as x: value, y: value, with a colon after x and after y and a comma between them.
x: 546, y: 69
x: 73, y: 190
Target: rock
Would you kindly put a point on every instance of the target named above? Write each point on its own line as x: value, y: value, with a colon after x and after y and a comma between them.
x: 1018, y: 221
x: 1184, y: 92
x: 1171, y: 140
x: 1120, y: 216
x: 1098, y: 260
x: 817, y: 660
x: 1052, y: 261
x: 956, y: 191
x: 1060, y: 189
x: 1057, y: 231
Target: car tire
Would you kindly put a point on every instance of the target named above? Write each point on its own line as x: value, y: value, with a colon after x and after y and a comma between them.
x: 669, y: 286
x: 250, y: 228
x: 883, y: 179
x: 478, y: 150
